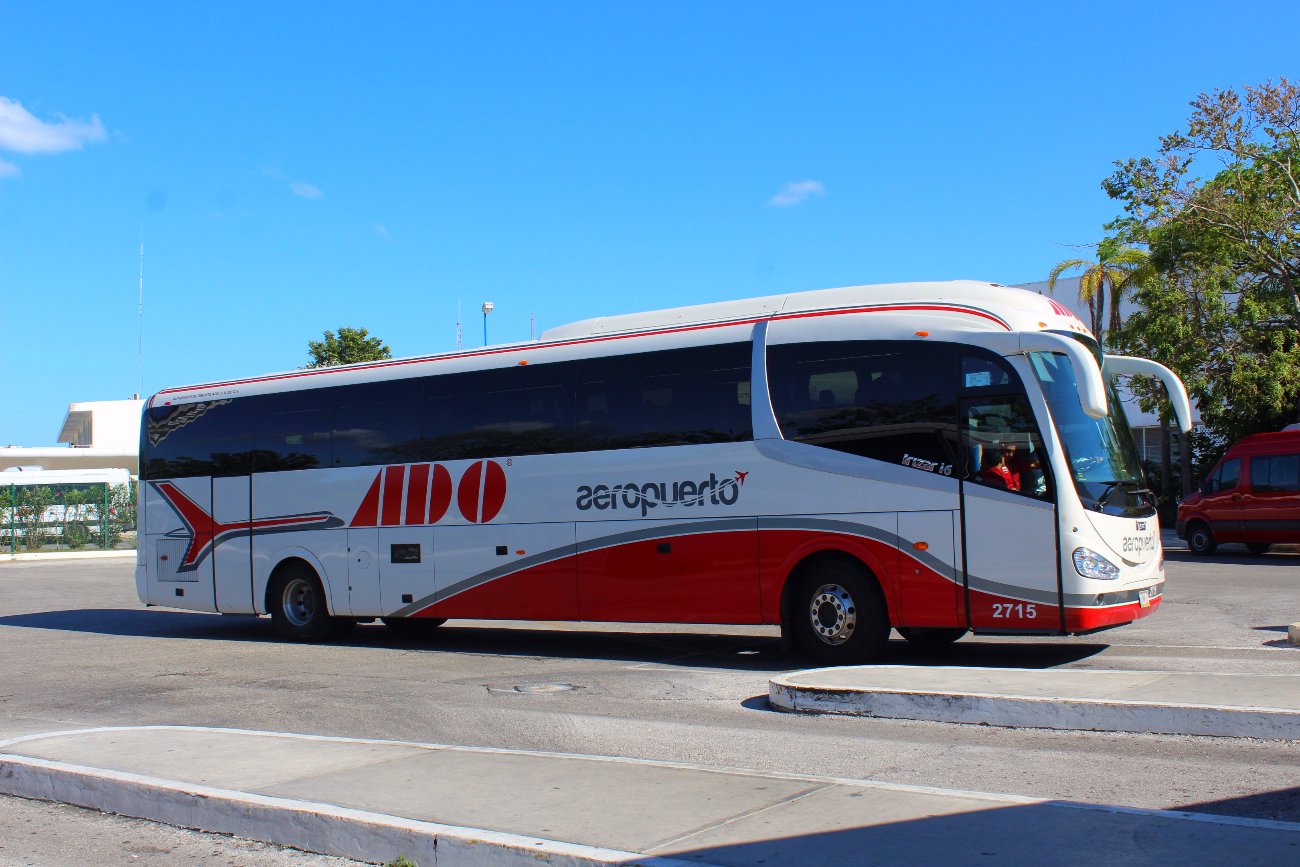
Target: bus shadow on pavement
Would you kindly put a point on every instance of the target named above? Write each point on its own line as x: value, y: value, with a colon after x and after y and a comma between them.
x: 630, y: 644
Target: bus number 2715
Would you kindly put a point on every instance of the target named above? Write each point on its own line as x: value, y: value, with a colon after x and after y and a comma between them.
x: 1018, y: 610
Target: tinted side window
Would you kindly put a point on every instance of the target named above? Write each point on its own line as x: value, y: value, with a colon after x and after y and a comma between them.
x: 893, y: 401
x: 376, y: 423
x: 197, y: 439
x: 525, y: 410
x: 1004, y: 449
x: 293, y: 432
x: 672, y: 397
x: 1259, y: 473
x: 1276, y: 473
x: 1226, y: 478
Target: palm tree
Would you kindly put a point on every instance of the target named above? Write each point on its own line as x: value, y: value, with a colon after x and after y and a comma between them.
x: 1117, y: 267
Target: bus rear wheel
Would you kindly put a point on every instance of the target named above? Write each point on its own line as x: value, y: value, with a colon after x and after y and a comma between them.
x: 839, y: 614
x: 298, y: 609
x: 931, y: 637
x: 1200, y: 540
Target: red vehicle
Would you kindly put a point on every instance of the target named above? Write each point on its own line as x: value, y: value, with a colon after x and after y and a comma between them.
x: 1251, y: 496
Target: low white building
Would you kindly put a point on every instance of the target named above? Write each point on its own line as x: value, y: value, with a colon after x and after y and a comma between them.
x: 100, y: 434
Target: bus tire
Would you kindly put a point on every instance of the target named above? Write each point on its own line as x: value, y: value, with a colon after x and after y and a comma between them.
x: 1200, y: 541
x: 412, y: 625
x: 1258, y: 547
x: 298, y: 608
x: 931, y: 637
x: 839, y: 613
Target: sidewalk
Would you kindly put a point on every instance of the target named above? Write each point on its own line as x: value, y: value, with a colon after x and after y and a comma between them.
x: 374, y: 800
x: 1188, y: 703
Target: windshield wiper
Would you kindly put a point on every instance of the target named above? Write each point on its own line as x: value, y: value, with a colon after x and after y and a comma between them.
x: 1110, y: 488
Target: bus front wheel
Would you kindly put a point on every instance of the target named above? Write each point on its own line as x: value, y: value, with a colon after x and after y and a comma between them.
x: 298, y: 609
x: 839, y: 614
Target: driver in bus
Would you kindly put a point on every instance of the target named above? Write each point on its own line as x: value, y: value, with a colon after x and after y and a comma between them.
x: 1005, y: 471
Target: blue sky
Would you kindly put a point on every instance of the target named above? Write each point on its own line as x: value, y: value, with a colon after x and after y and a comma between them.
x: 295, y: 167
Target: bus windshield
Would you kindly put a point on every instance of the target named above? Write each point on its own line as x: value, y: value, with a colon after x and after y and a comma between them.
x: 1103, y: 459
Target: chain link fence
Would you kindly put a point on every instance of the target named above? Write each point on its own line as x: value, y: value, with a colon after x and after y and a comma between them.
x: 67, y: 517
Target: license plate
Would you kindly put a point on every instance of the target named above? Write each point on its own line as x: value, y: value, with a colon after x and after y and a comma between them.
x: 1144, y: 598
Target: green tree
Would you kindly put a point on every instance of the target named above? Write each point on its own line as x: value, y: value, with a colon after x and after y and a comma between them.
x: 1228, y: 251
x: 348, y: 346
x: 1117, y: 268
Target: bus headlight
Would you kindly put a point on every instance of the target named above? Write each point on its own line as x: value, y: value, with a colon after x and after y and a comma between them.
x: 1090, y: 564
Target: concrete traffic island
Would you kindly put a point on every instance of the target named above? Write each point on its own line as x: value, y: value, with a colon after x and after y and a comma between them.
x: 438, y: 804
x: 1191, y: 703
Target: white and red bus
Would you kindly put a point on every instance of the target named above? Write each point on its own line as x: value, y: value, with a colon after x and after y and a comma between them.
x: 933, y: 457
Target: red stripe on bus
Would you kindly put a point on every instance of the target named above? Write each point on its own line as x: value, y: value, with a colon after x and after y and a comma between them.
x: 417, y: 489
x: 393, y: 477
x: 468, y: 493
x: 439, y: 493
x: 368, y: 512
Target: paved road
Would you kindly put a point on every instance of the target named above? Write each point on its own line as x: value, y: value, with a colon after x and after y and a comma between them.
x: 79, y: 651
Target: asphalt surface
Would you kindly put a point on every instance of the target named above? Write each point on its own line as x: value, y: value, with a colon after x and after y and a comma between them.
x: 80, y: 651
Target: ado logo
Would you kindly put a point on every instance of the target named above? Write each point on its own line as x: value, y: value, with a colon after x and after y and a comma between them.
x: 423, y: 493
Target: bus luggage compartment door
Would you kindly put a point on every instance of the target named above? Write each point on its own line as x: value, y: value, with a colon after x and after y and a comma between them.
x: 232, y: 558
x: 929, y: 584
x: 363, y: 573
x: 178, y: 555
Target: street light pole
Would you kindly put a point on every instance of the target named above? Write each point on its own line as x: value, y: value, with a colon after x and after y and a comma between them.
x: 488, y: 307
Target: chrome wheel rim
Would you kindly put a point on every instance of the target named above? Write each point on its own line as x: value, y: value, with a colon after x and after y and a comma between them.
x: 298, y: 602
x: 833, y: 614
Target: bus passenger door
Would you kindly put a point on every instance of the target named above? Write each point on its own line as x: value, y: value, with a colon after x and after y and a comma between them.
x: 929, y: 584
x: 363, y: 572
x: 232, y: 558
x: 1008, y: 539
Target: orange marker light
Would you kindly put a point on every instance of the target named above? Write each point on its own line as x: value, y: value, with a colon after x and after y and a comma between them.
x: 921, y: 546
x: 520, y: 551
x: 523, y: 362
x: 922, y: 334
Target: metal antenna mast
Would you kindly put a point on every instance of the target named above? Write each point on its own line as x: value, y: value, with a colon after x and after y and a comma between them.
x: 139, y: 314
x: 458, y: 336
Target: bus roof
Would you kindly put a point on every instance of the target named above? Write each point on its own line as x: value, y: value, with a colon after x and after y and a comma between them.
x: 986, y: 306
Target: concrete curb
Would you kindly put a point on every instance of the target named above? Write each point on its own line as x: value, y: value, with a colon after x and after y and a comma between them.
x: 312, y: 827
x: 37, y: 556
x: 1293, y: 634
x: 1036, y: 712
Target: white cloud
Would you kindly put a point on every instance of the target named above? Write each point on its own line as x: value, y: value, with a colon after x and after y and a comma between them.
x: 795, y: 193
x: 298, y: 188
x: 24, y: 133
x: 306, y: 190
x: 8, y: 170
